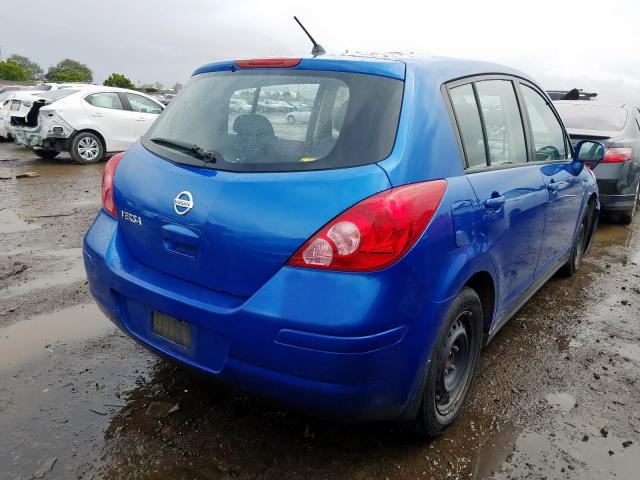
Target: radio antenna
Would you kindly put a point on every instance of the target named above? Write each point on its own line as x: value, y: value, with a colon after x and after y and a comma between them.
x: 317, y: 48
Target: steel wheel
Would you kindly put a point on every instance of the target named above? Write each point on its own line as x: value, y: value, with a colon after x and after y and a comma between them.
x: 88, y: 148
x: 455, y: 365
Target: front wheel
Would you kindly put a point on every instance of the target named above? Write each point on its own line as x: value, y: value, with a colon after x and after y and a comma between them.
x: 453, y: 362
x: 577, y: 250
x: 86, y: 148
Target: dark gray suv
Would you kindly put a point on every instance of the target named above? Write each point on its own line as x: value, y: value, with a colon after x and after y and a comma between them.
x: 618, y: 127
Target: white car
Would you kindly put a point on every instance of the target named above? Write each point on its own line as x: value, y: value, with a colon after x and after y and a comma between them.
x: 5, y: 99
x: 299, y: 116
x: 25, y: 97
x: 88, y: 121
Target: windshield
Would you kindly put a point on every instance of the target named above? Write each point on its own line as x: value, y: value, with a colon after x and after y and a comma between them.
x: 243, y: 117
x: 51, y: 97
x: 590, y: 116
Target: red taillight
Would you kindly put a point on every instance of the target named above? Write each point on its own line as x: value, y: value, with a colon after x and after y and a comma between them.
x: 617, y: 155
x: 107, y: 183
x: 268, y: 63
x: 374, y: 233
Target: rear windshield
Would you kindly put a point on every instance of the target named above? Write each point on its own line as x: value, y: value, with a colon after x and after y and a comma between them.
x: 589, y: 116
x: 51, y: 97
x: 280, y: 120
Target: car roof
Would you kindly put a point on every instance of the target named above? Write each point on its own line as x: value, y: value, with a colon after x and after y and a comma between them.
x: 393, y: 65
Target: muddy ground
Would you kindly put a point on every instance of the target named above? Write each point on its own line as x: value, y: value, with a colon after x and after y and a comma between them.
x: 557, y: 395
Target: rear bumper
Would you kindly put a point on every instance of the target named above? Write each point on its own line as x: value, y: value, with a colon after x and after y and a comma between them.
x: 346, y: 345
x: 617, y: 202
x: 43, y: 135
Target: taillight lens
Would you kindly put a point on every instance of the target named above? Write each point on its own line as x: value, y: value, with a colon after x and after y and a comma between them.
x: 374, y: 233
x: 617, y: 155
x: 107, y: 183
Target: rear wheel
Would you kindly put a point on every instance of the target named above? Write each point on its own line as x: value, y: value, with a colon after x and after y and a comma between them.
x: 86, y: 148
x: 451, y: 367
x: 46, y: 153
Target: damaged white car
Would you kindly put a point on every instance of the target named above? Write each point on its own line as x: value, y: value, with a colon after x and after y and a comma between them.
x: 88, y: 122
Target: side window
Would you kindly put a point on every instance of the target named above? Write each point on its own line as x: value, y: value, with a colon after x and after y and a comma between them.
x: 142, y: 104
x: 503, y: 124
x: 105, y: 100
x: 467, y: 116
x: 548, y: 137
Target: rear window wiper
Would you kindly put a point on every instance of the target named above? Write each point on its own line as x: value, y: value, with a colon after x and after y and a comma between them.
x: 206, y: 156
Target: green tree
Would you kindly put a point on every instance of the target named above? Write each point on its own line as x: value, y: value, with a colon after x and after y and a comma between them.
x: 118, y: 80
x: 34, y: 70
x: 176, y: 87
x: 10, y: 70
x: 151, y: 87
x: 69, y: 71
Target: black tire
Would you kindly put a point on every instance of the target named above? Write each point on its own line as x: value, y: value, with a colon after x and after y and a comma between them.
x: 291, y: 119
x: 577, y: 250
x: 86, y: 148
x: 48, y: 154
x: 626, y: 217
x: 457, y: 349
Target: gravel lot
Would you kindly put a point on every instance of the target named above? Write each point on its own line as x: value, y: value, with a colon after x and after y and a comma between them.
x: 557, y: 395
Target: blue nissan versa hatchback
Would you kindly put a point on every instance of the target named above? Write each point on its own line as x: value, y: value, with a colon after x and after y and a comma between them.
x: 352, y: 264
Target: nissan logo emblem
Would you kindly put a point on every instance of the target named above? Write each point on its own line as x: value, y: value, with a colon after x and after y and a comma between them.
x: 183, y: 203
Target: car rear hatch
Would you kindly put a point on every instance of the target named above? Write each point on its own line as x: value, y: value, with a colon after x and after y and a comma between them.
x: 230, y: 224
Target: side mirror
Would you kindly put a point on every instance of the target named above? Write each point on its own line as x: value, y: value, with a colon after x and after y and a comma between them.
x: 589, y: 152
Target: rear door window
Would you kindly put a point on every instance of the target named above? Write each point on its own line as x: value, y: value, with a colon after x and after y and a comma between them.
x: 467, y: 116
x: 503, y: 123
x: 242, y: 117
x: 105, y: 100
x: 143, y: 104
x: 548, y: 136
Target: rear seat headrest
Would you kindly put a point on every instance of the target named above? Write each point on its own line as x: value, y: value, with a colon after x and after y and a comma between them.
x: 253, y: 124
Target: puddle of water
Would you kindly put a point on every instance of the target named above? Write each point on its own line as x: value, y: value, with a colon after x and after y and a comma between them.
x: 538, y: 455
x: 563, y: 401
x: 612, y: 233
x: 493, y: 453
x: 29, y: 339
x: 10, y: 222
x: 62, y: 273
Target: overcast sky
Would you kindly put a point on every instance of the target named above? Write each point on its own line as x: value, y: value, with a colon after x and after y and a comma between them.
x: 562, y: 43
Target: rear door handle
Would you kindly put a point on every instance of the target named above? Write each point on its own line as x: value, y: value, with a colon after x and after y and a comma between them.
x: 494, y: 203
x: 97, y: 115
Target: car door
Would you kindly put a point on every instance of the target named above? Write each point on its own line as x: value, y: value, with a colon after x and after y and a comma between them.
x: 118, y: 125
x: 146, y: 109
x: 511, y: 196
x: 564, y: 185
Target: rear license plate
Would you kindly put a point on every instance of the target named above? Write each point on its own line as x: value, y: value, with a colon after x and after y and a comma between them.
x: 15, y: 105
x: 171, y: 328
